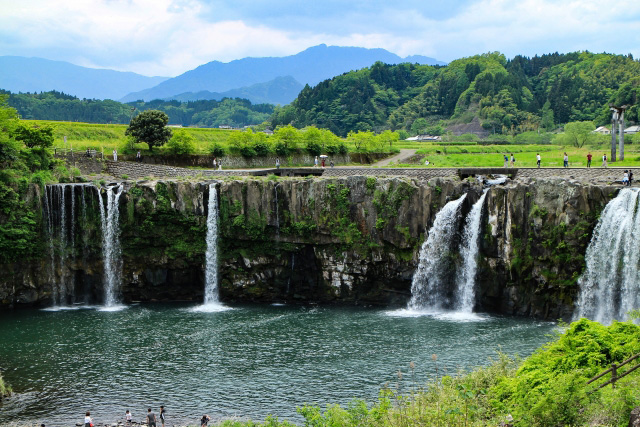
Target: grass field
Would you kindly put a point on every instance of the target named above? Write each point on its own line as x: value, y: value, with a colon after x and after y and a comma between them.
x: 81, y: 136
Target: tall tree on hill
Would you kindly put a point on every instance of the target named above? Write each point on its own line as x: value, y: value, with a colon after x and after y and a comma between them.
x: 150, y: 127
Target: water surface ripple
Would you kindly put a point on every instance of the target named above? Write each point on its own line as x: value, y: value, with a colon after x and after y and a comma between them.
x: 249, y: 361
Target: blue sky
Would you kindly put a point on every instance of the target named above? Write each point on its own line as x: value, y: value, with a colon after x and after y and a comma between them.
x: 169, y: 37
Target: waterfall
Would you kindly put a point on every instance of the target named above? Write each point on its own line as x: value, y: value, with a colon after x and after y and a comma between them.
x: 111, y: 255
x: 211, y: 270
x: 610, y: 284
x: 428, y: 286
x: 465, y: 281
x: 59, y: 221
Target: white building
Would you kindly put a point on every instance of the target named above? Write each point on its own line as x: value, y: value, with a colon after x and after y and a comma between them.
x: 603, y: 130
x: 632, y: 130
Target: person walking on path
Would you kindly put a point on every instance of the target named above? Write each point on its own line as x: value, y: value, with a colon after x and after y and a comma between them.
x: 219, y: 165
x: 625, y: 178
x: 277, y: 162
x: 163, y: 415
x: 566, y: 160
x: 115, y: 155
x: 138, y: 156
x: 88, y: 422
x: 151, y: 418
x: 513, y: 161
x: 506, y: 161
x: 589, y: 160
x: 315, y: 162
x: 215, y: 163
x: 604, y: 160
x: 323, y: 162
x: 538, y: 160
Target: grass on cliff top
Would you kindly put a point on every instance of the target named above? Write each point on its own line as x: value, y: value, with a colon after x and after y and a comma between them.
x: 548, y: 389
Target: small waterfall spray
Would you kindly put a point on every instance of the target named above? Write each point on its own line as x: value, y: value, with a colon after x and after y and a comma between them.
x: 610, y: 284
x: 211, y: 270
x: 428, y: 280
x: 62, y: 243
x: 465, y: 281
x: 111, y: 255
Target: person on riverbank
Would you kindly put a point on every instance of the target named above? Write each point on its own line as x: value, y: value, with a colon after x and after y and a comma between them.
x: 506, y: 161
x: 277, y: 162
x: 127, y: 418
x: 566, y: 160
x: 115, y: 155
x: 163, y: 415
x: 604, y: 160
x: 625, y: 178
x: 204, y: 420
x: 215, y: 163
x: 538, y: 158
x: 315, y: 162
x: 138, y: 156
x: 589, y: 160
x: 323, y: 163
x: 151, y: 418
x: 88, y: 422
x: 513, y: 161
x: 219, y: 165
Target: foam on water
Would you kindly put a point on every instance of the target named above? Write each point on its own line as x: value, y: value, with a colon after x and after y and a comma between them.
x: 453, y: 316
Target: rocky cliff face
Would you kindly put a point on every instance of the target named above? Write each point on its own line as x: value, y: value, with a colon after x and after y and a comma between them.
x: 344, y: 240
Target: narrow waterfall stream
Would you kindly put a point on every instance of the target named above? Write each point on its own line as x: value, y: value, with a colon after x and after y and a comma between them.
x: 111, y: 255
x: 428, y: 286
x: 466, y: 278
x: 610, y: 284
x: 211, y: 299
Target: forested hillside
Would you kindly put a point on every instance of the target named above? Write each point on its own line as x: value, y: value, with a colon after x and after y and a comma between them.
x: 210, y: 113
x: 508, y: 96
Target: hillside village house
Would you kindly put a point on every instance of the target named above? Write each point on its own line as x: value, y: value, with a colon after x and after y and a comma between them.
x: 632, y: 129
x: 602, y: 130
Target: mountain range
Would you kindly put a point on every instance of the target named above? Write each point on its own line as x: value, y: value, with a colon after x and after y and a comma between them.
x: 275, y: 80
x: 20, y: 74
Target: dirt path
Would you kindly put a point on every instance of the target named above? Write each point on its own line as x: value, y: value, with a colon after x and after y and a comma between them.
x: 404, y: 154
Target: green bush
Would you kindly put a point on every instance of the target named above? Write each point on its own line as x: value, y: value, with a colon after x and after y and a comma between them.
x: 181, y: 144
x: 216, y: 150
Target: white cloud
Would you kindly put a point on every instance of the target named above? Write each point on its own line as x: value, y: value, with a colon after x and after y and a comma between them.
x: 165, y: 37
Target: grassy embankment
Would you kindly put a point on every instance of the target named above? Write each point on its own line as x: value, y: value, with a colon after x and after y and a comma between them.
x: 546, y: 389
x: 81, y: 136
x: 5, y: 389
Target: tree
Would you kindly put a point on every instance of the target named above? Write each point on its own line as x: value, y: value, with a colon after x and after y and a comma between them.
x: 288, y: 138
x: 181, y: 143
x: 150, y: 127
x: 578, y: 133
x: 361, y: 139
x: 312, y: 137
x: 34, y: 137
x: 386, y: 138
x: 419, y: 126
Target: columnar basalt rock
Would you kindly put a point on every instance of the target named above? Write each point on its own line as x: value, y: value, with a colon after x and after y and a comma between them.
x: 348, y: 240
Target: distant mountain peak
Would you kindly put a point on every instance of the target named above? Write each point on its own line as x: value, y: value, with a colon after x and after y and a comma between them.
x: 311, y: 66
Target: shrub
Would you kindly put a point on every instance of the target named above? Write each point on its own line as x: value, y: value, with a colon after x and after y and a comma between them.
x: 217, y: 150
x: 181, y: 143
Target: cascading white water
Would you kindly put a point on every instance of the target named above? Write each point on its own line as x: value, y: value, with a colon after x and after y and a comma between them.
x: 211, y: 269
x: 610, y: 284
x: 428, y: 280
x: 62, y: 242
x: 466, y: 278
x: 111, y: 255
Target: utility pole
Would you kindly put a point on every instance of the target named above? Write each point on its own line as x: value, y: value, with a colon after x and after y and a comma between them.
x: 617, y: 120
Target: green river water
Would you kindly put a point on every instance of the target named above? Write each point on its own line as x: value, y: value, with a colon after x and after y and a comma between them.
x: 247, y: 362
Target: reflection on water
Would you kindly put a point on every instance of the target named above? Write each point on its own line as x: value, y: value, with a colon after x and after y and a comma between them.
x: 248, y: 361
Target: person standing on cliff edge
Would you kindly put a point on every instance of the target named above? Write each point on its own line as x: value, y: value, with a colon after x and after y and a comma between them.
x: 538, y: 160
x: 589, y: 156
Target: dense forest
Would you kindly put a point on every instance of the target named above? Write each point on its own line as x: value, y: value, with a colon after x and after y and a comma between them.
x: 507, y: 96
x: 55, y: 105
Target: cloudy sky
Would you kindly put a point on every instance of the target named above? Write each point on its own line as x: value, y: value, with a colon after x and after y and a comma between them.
x: 169, y: 37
